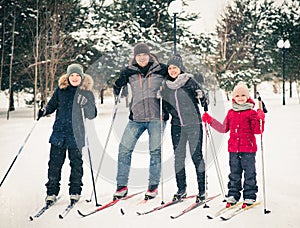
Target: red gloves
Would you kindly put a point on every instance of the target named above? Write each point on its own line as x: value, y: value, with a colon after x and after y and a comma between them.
x: 260, y: 114
x: 206, y: 118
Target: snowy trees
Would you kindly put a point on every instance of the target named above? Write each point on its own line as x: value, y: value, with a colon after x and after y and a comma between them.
x: 101, y: 37
x: 248, y: 33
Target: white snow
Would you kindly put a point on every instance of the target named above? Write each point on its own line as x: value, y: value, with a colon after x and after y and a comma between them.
x: 23, y: 191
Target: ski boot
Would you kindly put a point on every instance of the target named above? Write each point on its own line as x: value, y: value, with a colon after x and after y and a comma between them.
x: 74, y: 198
x: 121, y: 192
x: 230, y: 201
x: 152, y: 192
x: 248, y: 202
x: 179, y: 195
x: 50, y: 199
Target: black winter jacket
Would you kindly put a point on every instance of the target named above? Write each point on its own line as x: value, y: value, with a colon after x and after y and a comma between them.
x: 68, y: 128
x: 182, y: 103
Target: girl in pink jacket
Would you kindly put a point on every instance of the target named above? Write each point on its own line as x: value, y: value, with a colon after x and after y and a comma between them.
x: 243, y: 122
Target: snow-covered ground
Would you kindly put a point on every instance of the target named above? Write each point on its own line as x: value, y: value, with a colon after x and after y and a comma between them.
x: 23, y: 191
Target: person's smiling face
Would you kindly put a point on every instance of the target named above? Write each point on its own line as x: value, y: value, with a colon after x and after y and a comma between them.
x: 240, y: 98
x: 75, y: 79
x: 173, y: 71
x: 142, y: 59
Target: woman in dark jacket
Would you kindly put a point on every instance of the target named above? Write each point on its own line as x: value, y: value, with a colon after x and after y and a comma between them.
x: 181, y: 96
x: 71, y: 100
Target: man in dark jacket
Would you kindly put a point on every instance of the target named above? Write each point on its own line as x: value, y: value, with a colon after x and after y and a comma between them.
x: 145, y: 76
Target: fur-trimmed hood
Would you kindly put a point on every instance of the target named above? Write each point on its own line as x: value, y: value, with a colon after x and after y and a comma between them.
x: 86, y: 84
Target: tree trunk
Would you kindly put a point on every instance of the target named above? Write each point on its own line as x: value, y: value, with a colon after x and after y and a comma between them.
x: 11, y: 65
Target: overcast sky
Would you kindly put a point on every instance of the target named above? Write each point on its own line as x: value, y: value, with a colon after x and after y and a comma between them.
x: 209, y: 11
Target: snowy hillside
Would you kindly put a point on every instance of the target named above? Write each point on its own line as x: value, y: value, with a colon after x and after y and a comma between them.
x: 23, y: 191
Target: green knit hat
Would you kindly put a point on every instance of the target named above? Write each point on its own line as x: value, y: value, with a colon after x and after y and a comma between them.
x: 75, y: 68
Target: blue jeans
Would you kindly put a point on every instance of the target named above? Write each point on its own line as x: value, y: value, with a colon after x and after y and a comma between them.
x: 132, y: 133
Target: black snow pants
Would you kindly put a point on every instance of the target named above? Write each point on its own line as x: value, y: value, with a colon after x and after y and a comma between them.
x: 56, y: 161
x: 193, y: 135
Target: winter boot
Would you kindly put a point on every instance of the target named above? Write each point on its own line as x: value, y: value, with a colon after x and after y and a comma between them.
x: 50, y: 199
x: 201, y: 197
x: 231, y: 201
x: 181, y: 193
x: 248, y: 202
x: 74, y: 198
x: 152, y: 192
x: 121, y: 192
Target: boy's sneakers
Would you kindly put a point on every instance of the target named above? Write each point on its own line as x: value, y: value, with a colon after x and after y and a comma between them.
x: 50, y: 199
x: 152, y: 192
x: 201, y: 197
x: 74, y: 198
x: 231, y: 201
x: 181, y: 193
x: 248, y: 202
x: 121, y: 192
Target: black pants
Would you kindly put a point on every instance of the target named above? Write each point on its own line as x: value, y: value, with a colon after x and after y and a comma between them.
x: 193, y: 134
x: 56, y: 161
x: 239, y: 163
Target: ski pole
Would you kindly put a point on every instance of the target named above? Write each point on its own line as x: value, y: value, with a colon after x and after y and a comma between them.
x: 206, y: 152
x: 261, y: 106
x: 161, y: 144
x: 89, y: 154
x: 217, y: 165
x: 20, y: 150
x: 108, y: 137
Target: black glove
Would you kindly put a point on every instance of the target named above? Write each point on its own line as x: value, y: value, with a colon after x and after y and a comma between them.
x: 116, y: 90
x: 81, y: 100
x: 41, y: 113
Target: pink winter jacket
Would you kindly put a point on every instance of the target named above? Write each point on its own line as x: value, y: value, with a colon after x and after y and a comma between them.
x: 242, y: 126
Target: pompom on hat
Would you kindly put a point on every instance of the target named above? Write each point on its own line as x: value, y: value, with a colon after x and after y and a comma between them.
x: 241, y: 88
x: 141, y: 48
x: 75, y: 68
x: 177, y: 61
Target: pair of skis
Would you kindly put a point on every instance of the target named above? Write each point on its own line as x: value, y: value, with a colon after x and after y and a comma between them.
x: 170, y: 203
x: 173, y: 202
x: 232, y: 211
x: 67, y: 210
x: 48, y: 206
x: 107, y: 205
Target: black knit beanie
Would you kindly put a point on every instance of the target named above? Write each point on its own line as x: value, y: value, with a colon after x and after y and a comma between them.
x: 141, y: 48
x: 177, y: 61
x: 75, y: 68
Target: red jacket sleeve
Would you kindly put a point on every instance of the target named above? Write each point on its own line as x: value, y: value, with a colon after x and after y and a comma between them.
x: 221, y: 127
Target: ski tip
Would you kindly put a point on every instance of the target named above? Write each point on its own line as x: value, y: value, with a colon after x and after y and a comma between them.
x: 138, y: 213
x: 30, y: 218
x: 80, y: 213
x: 60, y: 216
x: 209, y: 217
x: 223, y: 218
x: 122, y: 211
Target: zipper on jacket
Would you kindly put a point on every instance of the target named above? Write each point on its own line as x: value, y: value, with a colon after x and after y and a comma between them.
x: 178, y: 109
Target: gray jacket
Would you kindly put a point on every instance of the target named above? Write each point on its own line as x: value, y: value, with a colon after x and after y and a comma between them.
x: 144, y: 83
